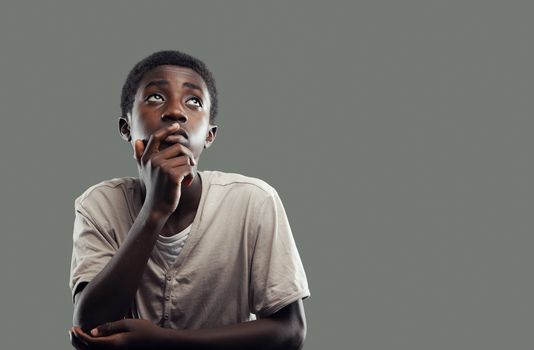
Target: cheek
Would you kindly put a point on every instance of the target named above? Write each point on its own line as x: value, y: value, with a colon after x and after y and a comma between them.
x: 200, y: 133
x: 143, y: 128
x: 144, y: 121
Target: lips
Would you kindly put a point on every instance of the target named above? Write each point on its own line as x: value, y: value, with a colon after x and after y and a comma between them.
x: 180, y: 132
x: 180, y: 136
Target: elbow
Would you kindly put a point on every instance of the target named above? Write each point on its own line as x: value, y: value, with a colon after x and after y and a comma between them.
x: 76, y: 315
x: 88, y: 314
x: 85, y: 316
x: 292, y: 336
x: 81, y: 319
x: 293, y: 326
x: 80, y: 316
x: 296, y: 340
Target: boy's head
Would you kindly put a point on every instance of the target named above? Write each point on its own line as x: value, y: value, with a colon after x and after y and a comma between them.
x: 168, y: 87
x: 168, y: 57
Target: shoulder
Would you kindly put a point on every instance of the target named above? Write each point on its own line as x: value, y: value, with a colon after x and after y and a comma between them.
x: 107, y: 194
x: 233, y: 182
x: 249, y: 198
x: 235, y: 188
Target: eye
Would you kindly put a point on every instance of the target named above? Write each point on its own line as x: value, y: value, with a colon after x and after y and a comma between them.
x: 155, y: 98
x: 195, y: 101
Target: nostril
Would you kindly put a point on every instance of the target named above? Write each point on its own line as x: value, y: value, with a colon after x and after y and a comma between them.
x: 173, y: 118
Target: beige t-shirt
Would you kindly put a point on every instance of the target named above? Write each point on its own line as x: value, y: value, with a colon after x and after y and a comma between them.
x: 240, y: 259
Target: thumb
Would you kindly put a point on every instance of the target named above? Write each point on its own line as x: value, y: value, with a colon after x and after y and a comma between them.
x: 139, y: 149
x: 109, y: 328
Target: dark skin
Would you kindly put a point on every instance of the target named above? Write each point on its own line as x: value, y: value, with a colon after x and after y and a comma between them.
x: 167, y: 165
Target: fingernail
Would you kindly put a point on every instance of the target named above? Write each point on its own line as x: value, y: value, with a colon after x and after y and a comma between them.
x: 174, y: 125
x: 94, y: 332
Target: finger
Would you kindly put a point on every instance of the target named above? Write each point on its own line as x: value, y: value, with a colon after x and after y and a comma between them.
x: 158, y: 136
x: 175, y: 150
x: 96, y: 342
x: 139, y: 148
x: 110, y: 328
x: 175, y: 162
x: 79, y: 337
x: 188, y: 180
x: 184, y: 174
x: 77, y: 342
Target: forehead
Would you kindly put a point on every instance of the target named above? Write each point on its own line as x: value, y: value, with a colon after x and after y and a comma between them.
x: 174, y: 74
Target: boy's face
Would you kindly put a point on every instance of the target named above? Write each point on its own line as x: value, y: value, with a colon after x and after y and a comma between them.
x: 168, y: 94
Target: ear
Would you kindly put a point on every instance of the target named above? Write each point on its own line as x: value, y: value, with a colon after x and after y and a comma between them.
x: 124, y: 128
x: 210, y: 136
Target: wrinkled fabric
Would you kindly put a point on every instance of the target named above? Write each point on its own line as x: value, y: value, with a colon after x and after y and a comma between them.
x: 240, y: 259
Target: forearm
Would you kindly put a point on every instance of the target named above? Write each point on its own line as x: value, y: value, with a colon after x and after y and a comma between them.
x: 110, y: 294
x: 262, y: 334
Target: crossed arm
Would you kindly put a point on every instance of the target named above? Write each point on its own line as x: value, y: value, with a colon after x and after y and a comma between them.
x: 283, y: 330
x: 101, y: 305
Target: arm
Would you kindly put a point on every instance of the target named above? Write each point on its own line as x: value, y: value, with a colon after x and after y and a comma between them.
x: 103, y: 299
x: 285, y: 329
x: 110, y: 293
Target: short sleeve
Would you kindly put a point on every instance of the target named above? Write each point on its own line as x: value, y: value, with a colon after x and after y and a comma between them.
x: 277, y: 276
x: 92, y: 249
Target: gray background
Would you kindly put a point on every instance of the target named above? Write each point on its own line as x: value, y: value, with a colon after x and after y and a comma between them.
x: 398, y: 134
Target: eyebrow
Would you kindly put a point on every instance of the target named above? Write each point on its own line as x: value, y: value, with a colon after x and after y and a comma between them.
x: 166, y: 82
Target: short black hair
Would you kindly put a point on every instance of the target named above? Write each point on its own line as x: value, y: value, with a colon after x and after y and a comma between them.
x: 167, y: 57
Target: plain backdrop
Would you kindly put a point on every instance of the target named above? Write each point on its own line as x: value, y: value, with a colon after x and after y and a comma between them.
x: 399, y: 135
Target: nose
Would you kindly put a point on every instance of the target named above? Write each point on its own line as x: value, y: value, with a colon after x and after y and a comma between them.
x: 174, y: 113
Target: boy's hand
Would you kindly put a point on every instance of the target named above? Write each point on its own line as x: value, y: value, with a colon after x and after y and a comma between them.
x: 123, y: 334
x: 163, y: 172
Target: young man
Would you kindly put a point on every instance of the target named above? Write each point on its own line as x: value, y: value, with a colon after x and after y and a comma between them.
x: 180, y: 258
